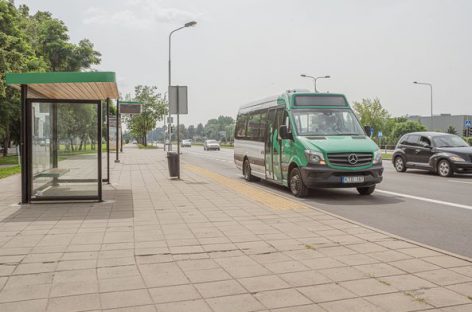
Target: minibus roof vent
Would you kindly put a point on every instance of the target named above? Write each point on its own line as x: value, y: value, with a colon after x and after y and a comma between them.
x: 298, y: 90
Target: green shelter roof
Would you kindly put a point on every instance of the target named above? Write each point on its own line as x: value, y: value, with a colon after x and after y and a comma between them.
x: 66, y: 85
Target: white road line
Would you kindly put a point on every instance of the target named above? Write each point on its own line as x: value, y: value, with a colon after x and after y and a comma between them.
x: 459, y: 181
x: 434, y: 201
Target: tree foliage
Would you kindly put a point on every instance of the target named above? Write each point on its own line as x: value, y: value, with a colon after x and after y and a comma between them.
x: 370, y: 112
x: 402, y: 128
x: 153, y: 110
x: 36, y: 42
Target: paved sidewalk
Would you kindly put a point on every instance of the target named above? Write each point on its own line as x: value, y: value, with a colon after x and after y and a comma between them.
x: 209, y: 243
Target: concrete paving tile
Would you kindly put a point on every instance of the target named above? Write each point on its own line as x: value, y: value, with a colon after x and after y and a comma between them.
x: 126, y: 298
x: 343, y: 274
x: 76, y: 265
x: 368, y: 287
x: 406, y: 282
x: 262, y: 283
x: 326, y: 292
x: 118, y: 271
x: 86, y: 275
x: 305, y: 278
x: 73, y: 288
x: 7, y: 269
x: 304, y: 308
x: 351, y: 305
x: 398, y: 302
x: 174, y: 293
x: 446, y: 261
x: 444, y: 277
x: 441, y: 297
x: 31, y: 268
x: 356, y: 259
x: 281, y: 298
x: 286, y: 266
x: 389, y: 255
x: 24, y: 306
x: 419, y: 252
x: 220, y: 288
x: 184, y: 306
x: 162, y: 274
x: 247, y: 271
x: 379, y: 269
x: 121, y: 283
x: 336, y: 251
x: 74, y: 303
x: 209, y: 275
x: 460, y: 308
x: 322, y: 263
x: 463, y: 289
x: 145, y: 308
x: 25, y: 292
x: 197, y: 264
x: 236, y: 303
x: 414, y: 265
x: 46, y: 257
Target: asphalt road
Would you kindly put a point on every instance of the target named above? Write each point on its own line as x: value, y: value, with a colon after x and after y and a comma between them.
x: 416, y: 205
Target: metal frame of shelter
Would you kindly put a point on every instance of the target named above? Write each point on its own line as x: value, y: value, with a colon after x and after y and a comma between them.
x: 56, y: 88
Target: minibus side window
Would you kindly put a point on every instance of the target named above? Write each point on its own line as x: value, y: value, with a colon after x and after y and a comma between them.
x: 253, y: 125
x: 241, y: 127
x: 263, y: 127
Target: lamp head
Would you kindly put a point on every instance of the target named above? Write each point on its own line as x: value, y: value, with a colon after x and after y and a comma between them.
x: 328, y: 76
x: 303, y: 75
x: 190, y: 24
x: 415, y: 82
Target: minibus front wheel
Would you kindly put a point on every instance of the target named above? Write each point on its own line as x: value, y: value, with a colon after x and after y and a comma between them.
x: 297, y: 187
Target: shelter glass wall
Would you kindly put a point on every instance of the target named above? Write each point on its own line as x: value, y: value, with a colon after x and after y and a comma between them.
x: 64, y: 150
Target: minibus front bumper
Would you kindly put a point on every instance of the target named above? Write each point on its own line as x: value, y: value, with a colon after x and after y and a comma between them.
x: 323, y: 176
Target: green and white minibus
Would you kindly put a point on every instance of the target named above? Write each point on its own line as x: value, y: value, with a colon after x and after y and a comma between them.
x: 306, y: 140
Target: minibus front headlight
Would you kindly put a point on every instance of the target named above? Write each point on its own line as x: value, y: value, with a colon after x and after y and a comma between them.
x: 315, y: 158
x: 377, y: 157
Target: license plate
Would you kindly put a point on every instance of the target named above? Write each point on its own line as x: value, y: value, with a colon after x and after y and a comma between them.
x: 357, y: 179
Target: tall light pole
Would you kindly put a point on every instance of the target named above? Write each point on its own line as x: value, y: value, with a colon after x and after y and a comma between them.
x: 314, y: 79
x: 189, y: 24
x: 431, y: 88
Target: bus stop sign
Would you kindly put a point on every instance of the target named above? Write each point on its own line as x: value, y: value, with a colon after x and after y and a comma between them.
x: 178, y: 100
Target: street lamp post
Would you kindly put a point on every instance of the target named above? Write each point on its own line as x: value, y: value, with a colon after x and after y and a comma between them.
x: 314, y: 79
x: 169, y: 124
x: 431, y: 89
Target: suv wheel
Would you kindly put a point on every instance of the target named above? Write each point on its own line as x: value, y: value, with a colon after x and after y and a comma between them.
x: 366, y: 190
x: 297, y: 187
x: 247, y: 171
x: 444, y: 168
x: 400, y: 164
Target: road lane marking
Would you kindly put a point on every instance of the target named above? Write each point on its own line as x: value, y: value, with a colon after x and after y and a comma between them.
x: 264, y: 197
x: 434, y: 201
x: 460, y: 182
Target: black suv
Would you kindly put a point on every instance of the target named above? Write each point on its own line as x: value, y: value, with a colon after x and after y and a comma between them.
x: 441, y: 153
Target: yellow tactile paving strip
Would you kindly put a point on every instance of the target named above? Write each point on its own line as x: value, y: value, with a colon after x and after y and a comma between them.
x: 269, y: 199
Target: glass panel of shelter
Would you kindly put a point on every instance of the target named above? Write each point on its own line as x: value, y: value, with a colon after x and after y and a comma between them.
x: 64, y: 150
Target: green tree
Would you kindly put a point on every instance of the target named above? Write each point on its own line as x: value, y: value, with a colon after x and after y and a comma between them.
x: 405, y: 127
x: 200, y: 130
x: 154, y: 109
x: 191, y: 131
x: 370, y: 112
x: 451, y: 130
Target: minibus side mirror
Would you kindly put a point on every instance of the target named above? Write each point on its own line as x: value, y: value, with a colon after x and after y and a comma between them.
x: 284, y: 134
x: 367, y: 130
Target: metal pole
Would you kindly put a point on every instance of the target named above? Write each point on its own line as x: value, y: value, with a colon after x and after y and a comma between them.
x: 99, y: 140
x: 23, y: 146
x: 117, y: 160
x: 121, y: 139
x: 314, y: 82
x: 178, y: 134
x: 432, y: 116
x: 170, y: 81
x: 108, y: 140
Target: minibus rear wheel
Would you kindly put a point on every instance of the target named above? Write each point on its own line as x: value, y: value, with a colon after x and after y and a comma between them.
x: 297, y: 187
x: 247, y: 171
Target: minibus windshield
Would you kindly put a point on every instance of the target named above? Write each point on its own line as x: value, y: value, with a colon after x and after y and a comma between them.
x: 326, y: 122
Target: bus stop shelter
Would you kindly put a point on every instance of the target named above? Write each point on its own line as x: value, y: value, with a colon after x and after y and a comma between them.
x: 61, y: 133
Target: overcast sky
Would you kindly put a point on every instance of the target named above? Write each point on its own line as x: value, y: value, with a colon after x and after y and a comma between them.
x: 243, y: 50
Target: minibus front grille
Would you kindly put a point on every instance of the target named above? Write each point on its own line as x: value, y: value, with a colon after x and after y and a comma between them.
x: 350, y: 159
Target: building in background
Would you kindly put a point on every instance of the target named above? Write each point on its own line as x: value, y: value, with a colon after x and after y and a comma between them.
x: 443, y: 122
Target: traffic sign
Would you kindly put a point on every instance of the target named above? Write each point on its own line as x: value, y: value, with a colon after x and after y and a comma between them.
x: 468, y: 124
x: 178, y: 100
x: 379, y: 134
